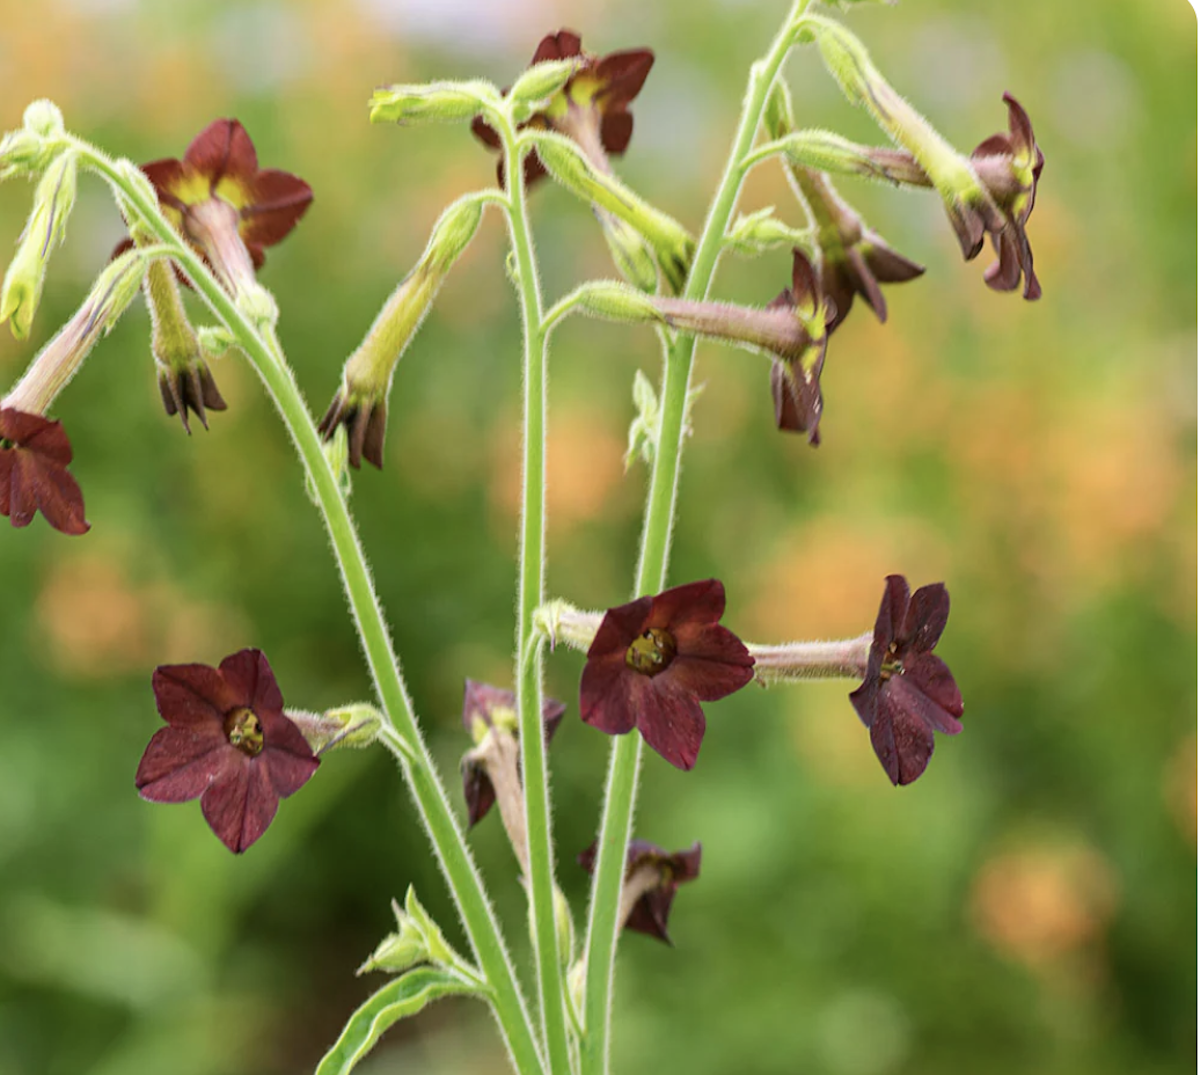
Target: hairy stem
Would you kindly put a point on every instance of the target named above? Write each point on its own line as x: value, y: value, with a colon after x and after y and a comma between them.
x: 401, y: 732
x: 621, y: 792
x: 530, y: 595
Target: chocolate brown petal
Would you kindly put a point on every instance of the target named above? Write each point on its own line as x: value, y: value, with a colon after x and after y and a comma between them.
x: 478, y: 792
x: 670, y: 720
x: 180, y: 763
x: 888, y: 266
x: 482, y: 130
x: 223, y: 150
x: 278, y: 201
x: 560, y: 46
x: 925, y: 618
x: 721, y: 666
x: 251, y: 681
x: 193, y: 696
x: 376, y: 430
x: 610, y: 693
x: 903, y: 743
x: 650, y: 914
x: 55, y: 492
x: 1005, y: 273
x: 622, y: 75
x: 287, y: 756
x: 1020, y: 128
x: 929, y: 674
x: 616, y: 129
x: 240, y: 804
x: 865, y: 282
x: 168, y: 176
x: 694, y: 603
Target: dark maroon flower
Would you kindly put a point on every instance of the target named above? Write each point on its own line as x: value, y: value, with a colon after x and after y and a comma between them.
x: 34, y: 455
x: 854, y: 259
x: 1009, y: 167
x: 486, y: 708
x: 593, y: 106
x: 908, y: 692
x: 223, y: 203
x: 796, y: 376
x: 654, y: 660
x: 651, y: 878
x: 227, y: 743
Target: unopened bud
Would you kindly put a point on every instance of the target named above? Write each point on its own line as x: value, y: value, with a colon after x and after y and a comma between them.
x: 643, y: 430
x: 439, y: 949
x: 398, y: 951
x: 543, y: 80
x: 564, y: 925
x: 258, y: 304
x: 44, y: 118
x: 615, y: 301
x: 673, y: 246
x: 47, y: 224
x: 215, y: 340
x: 629, y: 252
x: 453, y: 232
x: 432, y: 102
x: 560, y: 621
x: 761, y: 231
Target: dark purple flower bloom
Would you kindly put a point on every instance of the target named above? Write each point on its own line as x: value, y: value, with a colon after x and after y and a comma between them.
x: 486, y: 708
x: 593, y: 106
x: 651, y: 878
x: 34, y: 455
x: 1009, y: 167
x: 908, y: 692
x: 796, y: 379
x: 654, y: 660
x: 227, y: 743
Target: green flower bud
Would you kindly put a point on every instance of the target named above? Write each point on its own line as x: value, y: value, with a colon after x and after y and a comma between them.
x: 615, y: 301
x: 543, y: 80
x: 761, y: 231
x: 45, y: 229
x: 629, y: 252
x: 643, y: 430
x: 44, y: 118
x: 453, y: 232
x: 432, y: 102
x: 398, y: 951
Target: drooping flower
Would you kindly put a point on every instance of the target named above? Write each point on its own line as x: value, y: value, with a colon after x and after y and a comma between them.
x: 34, y: 455
x: 651, y: 879
x: 854, y: 259
x: 593, y: 106
x: 908, y: 692
x: 227, y: 743
x: 224, y: 204
x: 1009, y: 167
x: 488, y: 709
x: 654, y: 660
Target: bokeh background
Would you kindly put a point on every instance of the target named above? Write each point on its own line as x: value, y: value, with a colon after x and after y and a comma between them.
x: 1029, y: 905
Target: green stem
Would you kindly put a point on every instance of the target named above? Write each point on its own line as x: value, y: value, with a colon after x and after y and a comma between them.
x: 621, y: 793
x: 402, y: 734
x: 530, y: 595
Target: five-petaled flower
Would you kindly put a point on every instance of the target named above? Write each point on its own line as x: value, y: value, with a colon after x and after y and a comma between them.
x: 227, y: 743
x: 654, y: 660
x: 34, y: 455
x: 593, y: 106
x: 908, y: 692
x: 651, y: 879
x: 224, y: 204
x: 1009, y: 167
x: 487, y: 709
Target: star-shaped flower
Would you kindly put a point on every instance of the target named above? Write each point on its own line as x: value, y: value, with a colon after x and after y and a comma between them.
x: 908, y: 692
x: 651, y: 879
x: 486, y: 709
x: 227, y: 743
x: 654, y: 660
x: 593, y: 106
x: 224, y: 204
x: 34, y: 455
x: 1009, y: 167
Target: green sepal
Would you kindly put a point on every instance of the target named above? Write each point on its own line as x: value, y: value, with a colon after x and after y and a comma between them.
x: 756, y: 233
x: 407, y: 995
x: 539, y: 82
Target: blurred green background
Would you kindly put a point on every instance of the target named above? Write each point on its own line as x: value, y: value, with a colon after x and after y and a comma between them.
x: 1029, y: 905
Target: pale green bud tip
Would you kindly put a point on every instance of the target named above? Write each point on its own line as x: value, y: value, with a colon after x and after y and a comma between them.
x: 355, y: 725
x: 630, y: 254
x: 760, y: 231
x: 398, y: 951
x: 438, y: 950
x: 43, y: 117
x: 258, y: 304
x: 618, y: 302
x: 431, y: 102
x: 453, y: 232
x: 543, y: 80
x: 115, y: 288
x: 215, y: 340
x: 19, y: 300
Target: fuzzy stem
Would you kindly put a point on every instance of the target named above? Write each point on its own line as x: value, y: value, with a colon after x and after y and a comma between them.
x: 617, y: 819
x: 844, y: 659
x: 400, y: 731
x: 530, y: 659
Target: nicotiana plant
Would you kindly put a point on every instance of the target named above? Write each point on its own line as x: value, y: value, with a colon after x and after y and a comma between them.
x: 202, y: 222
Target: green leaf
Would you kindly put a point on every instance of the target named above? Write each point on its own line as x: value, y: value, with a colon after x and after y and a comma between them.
x: 402, y: 997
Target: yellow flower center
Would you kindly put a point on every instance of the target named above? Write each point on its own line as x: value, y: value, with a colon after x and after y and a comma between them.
x: 892, y: 665
x: 244, y: 730
x: 651, y: 652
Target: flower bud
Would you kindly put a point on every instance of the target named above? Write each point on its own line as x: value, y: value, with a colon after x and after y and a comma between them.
x: 398, y: 951
x: 44, y: 118
x: 758, y: 232
x: 614, y: 301
x: 672, y: 245
x: 432, y: 102
x: 355, y: 725
x: 643, y: 430
x: 629, y: 252
x: 45, y: 229
x: 543, y: 79
x: 452, y: 233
